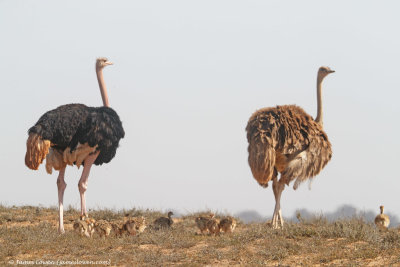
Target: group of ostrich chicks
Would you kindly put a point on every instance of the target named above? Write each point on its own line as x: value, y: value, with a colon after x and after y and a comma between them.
x: 208, y: 224
x: 86, y: 226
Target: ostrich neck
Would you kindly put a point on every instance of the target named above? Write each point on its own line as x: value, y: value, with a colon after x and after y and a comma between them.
x: 102, y: 85
x: 318, y: 119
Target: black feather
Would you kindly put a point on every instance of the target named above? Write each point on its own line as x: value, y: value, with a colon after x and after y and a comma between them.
x: 68, y: 125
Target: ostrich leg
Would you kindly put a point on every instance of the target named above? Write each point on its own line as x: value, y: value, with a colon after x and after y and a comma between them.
x: 277, y: 187
x: 61, y: 185
x: 82, y: 185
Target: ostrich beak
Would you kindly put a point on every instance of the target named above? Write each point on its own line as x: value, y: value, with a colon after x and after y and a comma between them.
x: 331, y: 71
x: 108, y: 63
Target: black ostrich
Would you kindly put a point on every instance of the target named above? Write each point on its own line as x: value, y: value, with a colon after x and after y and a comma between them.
x: 75, y: 134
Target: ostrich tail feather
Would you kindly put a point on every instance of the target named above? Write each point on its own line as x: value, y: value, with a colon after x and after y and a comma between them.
x: 262, y: 161
x: 36, y: 151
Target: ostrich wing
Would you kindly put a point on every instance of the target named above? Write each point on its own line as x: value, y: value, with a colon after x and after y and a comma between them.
x: 60, y: 125
x: 104, y: 129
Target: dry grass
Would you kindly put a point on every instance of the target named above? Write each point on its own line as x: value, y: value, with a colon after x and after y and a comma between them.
x: 30, y: 233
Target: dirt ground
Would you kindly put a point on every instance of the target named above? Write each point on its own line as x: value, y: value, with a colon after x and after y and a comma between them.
x: 28, y: 236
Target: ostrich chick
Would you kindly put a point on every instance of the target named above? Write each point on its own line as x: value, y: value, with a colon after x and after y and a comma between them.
x: 85, y: 226
x: 382, y: 221
x: 135, y: 225
x: 140, y: 224
x: 103, y: 228
x: 227, y: 225
x: 201, y: 223
x: 213, y: 226
x: 164, y: 222
x: 117, y: 229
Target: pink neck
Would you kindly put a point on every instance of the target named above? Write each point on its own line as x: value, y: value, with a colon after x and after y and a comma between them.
x: 102, y: 85
x: 318, y: 119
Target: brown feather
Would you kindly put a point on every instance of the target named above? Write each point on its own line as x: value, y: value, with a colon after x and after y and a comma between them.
x: 286, y: 139
x: 36, y: 151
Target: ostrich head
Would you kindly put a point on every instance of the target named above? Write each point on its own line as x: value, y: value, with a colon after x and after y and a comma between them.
x: 381, y: 208
x: 170, y: 214
x: 101, y: 62
x: 324, y: 71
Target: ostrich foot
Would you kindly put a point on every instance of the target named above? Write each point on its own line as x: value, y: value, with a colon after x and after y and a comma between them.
x: 281, y: 218
x: 275, y: 224
x: 277, y: 220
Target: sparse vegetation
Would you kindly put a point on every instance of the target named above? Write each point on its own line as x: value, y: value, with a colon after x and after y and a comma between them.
x: 30, y: 233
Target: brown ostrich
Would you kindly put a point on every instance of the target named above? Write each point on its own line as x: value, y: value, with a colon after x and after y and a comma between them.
x: 227, y: 224
x: 118, y: 229
x: 75, y: 134
x: 382, y: 221
x: 201, y: 222
x: 134, y: 225
x: 85, y: 226
x: 213, y: 226
x: 287, y: 140
x: 103, y: 228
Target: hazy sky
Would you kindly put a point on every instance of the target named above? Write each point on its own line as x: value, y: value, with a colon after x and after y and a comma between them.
x: 186, y: 77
